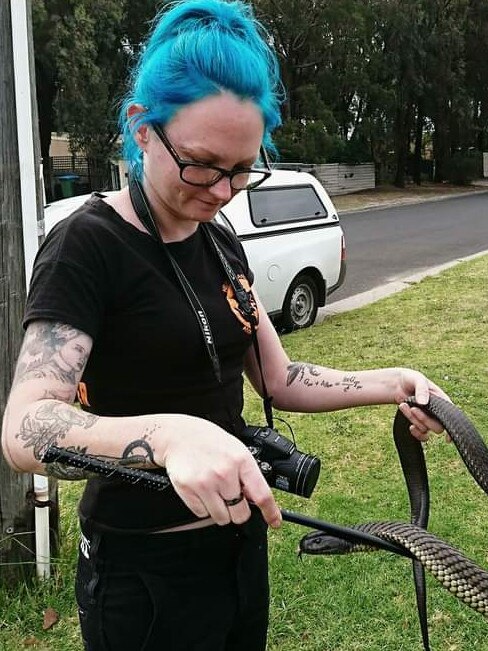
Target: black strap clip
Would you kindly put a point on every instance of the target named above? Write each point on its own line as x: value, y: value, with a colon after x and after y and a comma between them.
x: 39, y: 504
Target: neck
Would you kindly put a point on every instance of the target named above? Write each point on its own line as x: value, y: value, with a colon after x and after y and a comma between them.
x: 171, y: 227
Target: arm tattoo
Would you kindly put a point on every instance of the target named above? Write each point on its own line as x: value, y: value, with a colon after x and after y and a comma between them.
x: 55, y: 351
x: 311, y: 376
x: 50, y: 424
x: 69, y: 473
x: 138, y: 453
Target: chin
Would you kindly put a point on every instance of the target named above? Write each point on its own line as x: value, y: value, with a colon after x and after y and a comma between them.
x: 204, y: 213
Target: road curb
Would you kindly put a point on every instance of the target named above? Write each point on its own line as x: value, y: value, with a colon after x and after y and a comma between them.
x: 393, y: 287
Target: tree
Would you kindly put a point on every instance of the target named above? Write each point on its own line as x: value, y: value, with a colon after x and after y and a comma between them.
x: 83, y: 53
x: 321, y: 47
x: 445, y: 87
x: 477, y: 70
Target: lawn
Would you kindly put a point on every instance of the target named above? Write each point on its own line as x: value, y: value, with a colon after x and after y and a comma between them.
x: 361, y: 602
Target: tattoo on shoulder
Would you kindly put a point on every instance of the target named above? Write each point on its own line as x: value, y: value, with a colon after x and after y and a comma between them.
x: 311, y: 376
x: 53, y: 350
x: 50, y: 424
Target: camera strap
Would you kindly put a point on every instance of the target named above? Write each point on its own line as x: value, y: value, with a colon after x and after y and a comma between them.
x: 141, y: 206
x: 143, y: 211
x: 243, y: 298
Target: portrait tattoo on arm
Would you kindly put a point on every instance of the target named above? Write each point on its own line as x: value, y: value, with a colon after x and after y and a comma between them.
x: 53, y: 351
x: 311, y: 376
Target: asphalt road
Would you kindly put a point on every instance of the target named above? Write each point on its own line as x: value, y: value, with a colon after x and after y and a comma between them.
x: 388, y: 244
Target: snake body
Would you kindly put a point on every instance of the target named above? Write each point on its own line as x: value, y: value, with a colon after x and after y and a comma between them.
x: 458, y: 574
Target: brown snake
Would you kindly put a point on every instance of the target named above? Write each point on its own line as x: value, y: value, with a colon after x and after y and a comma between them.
x: 461, y: 576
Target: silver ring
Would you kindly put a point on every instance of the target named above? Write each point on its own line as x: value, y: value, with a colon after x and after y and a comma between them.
x: 234, y: 501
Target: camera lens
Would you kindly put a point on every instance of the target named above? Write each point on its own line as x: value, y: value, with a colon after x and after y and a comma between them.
x: 298, y: 474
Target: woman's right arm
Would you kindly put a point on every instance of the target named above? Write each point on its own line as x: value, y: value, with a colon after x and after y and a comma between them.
x: 206, y: 464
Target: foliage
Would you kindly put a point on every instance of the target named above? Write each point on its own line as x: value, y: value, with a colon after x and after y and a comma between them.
x: 388, y: 71
x: 364, y: 79
x: 84, y: 47
x: 462, y: 168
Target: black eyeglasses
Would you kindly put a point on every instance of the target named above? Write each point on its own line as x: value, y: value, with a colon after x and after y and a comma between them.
x: 205, y: 176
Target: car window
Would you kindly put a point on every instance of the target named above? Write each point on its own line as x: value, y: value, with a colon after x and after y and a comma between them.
x: 281, y: 205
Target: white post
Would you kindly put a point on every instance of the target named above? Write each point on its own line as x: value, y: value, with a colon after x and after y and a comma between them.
x: 23, y: 100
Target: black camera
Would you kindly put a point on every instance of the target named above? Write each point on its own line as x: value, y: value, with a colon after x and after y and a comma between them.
x: 282, y: 465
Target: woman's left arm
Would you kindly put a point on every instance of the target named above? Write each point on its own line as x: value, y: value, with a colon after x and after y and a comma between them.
x: 307, y: 387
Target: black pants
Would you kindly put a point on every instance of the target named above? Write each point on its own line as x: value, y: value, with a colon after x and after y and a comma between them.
x: 198, y: 590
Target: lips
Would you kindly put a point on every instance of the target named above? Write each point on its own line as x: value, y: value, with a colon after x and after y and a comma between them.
x: 214, y: 206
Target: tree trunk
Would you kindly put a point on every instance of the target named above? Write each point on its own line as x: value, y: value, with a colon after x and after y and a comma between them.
x: 441, y: 140
x: 419, y: 133
x: 402, y: 143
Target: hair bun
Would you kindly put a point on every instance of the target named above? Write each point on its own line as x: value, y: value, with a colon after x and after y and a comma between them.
x: 193, y: 14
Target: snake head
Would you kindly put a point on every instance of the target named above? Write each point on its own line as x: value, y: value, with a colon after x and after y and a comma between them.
x: 317, y: 542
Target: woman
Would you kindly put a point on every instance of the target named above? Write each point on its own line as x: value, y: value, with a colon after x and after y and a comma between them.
x: 137, y: 286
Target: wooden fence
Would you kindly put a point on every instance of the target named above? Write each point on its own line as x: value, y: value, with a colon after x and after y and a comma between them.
x: 344, y: 179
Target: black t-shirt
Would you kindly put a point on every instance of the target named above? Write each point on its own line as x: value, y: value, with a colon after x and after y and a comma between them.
x: 100, y: 274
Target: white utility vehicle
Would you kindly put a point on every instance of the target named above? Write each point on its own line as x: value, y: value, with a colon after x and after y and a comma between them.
x: 291, y: 233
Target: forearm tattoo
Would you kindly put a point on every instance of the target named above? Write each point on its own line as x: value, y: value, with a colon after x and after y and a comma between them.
x: 137, y: 454
x: 49, y: 425
x: 312, y: 376
x: 58, y: 353
x: 69, y: 473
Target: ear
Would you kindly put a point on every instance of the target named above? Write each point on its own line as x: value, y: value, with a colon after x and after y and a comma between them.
x: 142, y: 132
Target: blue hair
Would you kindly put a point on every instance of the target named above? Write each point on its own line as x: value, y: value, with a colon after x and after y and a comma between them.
x: 199, y: 48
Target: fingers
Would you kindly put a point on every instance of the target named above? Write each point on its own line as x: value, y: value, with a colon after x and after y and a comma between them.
x: 225, y: 497
x: 421, y: 423
x: 259, y: 493
x: 211, y: 471
x: 206, y: 502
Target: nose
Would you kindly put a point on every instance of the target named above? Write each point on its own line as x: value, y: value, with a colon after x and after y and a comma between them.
x: 222, y: 189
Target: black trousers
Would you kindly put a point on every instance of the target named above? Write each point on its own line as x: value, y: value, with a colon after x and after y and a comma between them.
x: 198, y: 590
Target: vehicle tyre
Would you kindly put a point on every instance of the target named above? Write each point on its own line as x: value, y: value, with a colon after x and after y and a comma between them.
x: 300, y: 305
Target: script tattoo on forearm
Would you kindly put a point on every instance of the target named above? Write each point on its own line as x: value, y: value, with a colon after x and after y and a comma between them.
x: 54, y: 351
x: 311, y: 376
x: 50, y: 424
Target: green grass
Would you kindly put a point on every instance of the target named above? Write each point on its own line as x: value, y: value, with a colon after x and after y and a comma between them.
x: 362, y: 602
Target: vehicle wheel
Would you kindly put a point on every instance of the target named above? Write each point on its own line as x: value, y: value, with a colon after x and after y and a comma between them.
x: 300, y: 305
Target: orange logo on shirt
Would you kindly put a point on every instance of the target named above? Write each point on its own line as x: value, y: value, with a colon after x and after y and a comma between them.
x: 82, y: 394
x: 235, y: 307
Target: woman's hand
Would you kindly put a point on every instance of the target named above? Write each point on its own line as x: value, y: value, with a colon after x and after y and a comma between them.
x: 413, y: 383
x: 209, y: 468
